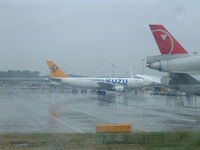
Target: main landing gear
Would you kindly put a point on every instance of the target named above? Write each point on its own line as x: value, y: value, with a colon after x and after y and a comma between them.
x: 74, y: 91
x: 83, y: 91
x: 99, y: 92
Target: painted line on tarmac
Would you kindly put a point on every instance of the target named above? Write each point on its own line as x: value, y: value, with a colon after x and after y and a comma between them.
x: 61, y: 121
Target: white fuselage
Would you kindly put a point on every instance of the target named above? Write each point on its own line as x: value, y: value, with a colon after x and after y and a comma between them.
x: 92, y: 83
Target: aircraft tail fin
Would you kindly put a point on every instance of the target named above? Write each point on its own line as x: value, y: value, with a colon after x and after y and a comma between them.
x: 55, y: 71
x: 165, y: 41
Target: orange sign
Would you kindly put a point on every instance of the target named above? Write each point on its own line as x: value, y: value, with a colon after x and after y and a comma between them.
x: 113, y: 128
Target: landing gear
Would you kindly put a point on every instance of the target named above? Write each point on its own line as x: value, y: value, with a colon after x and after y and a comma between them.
x: 74, y: 91
x: 83, y: 91
x: 136, y: 92
x: 101, y: 92
x: 92, y: 91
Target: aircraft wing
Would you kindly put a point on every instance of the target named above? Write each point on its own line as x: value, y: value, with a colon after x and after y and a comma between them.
x: 182, y: 78
x: 105, y: 86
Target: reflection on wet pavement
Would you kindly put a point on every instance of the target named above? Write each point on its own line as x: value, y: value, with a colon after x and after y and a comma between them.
x: 26, y: 111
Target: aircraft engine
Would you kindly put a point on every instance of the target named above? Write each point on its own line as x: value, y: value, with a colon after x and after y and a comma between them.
x: 119, y: 88
x: 181, y: 65
x: 159, y: 65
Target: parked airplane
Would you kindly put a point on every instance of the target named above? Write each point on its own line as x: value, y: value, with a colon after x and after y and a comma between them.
x: 100, y: 84
x: 154, y: 79
x: 182, y: 67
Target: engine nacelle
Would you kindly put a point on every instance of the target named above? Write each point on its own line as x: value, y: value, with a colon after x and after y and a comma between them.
x: 155, y: 65
x: 119, y: 88
x: 159, y: 65
x: 180, y: 65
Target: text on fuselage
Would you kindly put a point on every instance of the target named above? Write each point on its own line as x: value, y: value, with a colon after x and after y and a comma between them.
x: 117, y: 81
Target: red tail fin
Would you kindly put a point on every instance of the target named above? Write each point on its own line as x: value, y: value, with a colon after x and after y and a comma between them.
x: 165, y: 41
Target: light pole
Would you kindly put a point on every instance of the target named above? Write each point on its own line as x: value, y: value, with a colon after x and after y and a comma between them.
x: 114, y: 67
x: 143, y: 66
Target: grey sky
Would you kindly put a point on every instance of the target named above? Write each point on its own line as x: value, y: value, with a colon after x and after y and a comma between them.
x: 87, y: 36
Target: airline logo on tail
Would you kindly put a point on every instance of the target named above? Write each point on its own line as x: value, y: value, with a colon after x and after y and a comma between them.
x: 55, y: 71
x: 54, y: 68
x: 165, y: 41
x: 163, y: 36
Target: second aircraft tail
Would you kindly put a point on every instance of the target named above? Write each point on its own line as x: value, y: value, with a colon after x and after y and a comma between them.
x: 165, y: 41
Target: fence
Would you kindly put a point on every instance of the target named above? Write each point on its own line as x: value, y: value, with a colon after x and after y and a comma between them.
x: 149, y: 138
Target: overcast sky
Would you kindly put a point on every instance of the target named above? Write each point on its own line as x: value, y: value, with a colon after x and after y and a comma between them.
x: 87, y: 36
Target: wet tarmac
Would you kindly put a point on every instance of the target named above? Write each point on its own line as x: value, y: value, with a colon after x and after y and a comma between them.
x: 36, y: 111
